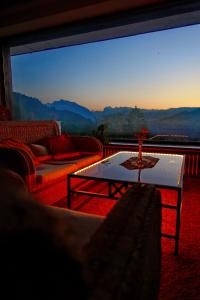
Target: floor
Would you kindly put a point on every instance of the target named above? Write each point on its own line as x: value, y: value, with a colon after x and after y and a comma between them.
x: 180, y: 276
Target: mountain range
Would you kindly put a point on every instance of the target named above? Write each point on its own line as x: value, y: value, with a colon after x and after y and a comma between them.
x: 78, y: 119
x: 66, y: 105
x: 74, y: 118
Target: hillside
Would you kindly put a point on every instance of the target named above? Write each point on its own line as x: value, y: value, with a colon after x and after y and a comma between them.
x: 120, y: 121
x: 173, y: 121
x: 29, y: 108
x: 66, y: 105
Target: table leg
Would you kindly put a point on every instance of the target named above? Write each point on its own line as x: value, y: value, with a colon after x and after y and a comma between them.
x: 109, y: 189
x: 178, y: 220
x: 68, y: 192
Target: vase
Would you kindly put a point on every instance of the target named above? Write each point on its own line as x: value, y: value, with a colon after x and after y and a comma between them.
x: 139, y: 159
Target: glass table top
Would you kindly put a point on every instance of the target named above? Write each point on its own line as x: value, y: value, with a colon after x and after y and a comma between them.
x: 168, y: 171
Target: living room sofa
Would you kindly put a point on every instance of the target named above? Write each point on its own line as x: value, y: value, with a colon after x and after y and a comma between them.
x: 121, y: 253
x: 36, y: 151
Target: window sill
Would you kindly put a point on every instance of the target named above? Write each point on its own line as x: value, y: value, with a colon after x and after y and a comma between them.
x: 147, y: 145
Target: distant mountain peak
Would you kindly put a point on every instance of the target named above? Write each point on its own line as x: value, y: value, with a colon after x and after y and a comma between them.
x: 68, y: 105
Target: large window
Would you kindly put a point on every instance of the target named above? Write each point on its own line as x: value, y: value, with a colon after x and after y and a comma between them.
x: 149, y: 80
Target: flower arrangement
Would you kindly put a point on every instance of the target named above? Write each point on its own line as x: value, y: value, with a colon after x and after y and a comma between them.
x: 141, y: 135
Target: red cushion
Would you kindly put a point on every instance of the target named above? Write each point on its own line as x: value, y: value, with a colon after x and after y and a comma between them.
x: 59, y: 144
x: 85, y: 153
x: 44, y: 158
x: 68, y: 155
x: 17, y: 144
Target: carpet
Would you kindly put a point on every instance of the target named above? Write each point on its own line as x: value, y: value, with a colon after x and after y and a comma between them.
x: 180, y: 275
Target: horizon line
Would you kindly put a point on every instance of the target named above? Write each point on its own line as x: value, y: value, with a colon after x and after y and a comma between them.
x: 102, y: 109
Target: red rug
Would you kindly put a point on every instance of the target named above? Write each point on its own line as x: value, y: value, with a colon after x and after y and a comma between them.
x: 180, y: 276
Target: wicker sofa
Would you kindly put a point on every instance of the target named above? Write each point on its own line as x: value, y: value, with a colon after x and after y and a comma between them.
x: 46, y: 180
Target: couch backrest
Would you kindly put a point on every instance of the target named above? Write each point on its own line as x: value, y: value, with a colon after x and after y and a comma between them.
x: 28, y: 131
x: 123, y: 258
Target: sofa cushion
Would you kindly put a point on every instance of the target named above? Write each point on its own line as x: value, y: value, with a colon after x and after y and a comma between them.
x: 86, y: 153
x: 44, y: 158
x: 59, y: 144
x: 47, y: 172
x: 68, y: 155
x: 87, y: 160
x: 52, y: 170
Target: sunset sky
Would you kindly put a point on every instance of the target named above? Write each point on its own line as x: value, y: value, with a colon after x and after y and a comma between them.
x: 154, y: 70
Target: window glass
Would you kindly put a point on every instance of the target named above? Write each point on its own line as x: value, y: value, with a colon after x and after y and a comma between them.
x: 116, y: 87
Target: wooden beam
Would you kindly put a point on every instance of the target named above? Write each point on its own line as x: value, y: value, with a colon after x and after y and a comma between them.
x: 21, y: 11
x: 5, y: 77
x: 39, y: 15
x: 109, y: 21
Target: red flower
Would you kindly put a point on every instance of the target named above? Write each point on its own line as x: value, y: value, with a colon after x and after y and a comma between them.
x: 142, y: 133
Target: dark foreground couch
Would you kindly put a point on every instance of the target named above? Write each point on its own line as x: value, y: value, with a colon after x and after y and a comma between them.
x: 121, y: 253
x: 124, y: 255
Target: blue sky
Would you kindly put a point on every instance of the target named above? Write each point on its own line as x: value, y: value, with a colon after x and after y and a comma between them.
x: 154, y: 70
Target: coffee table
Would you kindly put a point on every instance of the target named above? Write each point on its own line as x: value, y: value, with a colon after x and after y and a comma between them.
x: 167, y: 173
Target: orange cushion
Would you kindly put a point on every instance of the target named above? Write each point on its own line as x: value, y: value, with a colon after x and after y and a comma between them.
x: 85, y: 153
x: 44, y: 158
x: 68, y: 155
x: 59, y: 144
x: 87, y: 160
x: 17, y: 144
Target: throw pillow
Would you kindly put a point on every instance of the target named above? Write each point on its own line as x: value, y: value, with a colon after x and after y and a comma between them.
x: 59, y: 144
x: 43, y: 158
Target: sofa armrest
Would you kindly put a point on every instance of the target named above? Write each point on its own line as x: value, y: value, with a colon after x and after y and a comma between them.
x: 123, y: 257
x: 18, y: 161
x: 80, y: 224
x: 87, y: 143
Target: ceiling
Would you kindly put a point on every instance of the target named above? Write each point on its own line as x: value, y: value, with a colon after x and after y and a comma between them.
x: 26, y: 16
x: 29, y: 26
